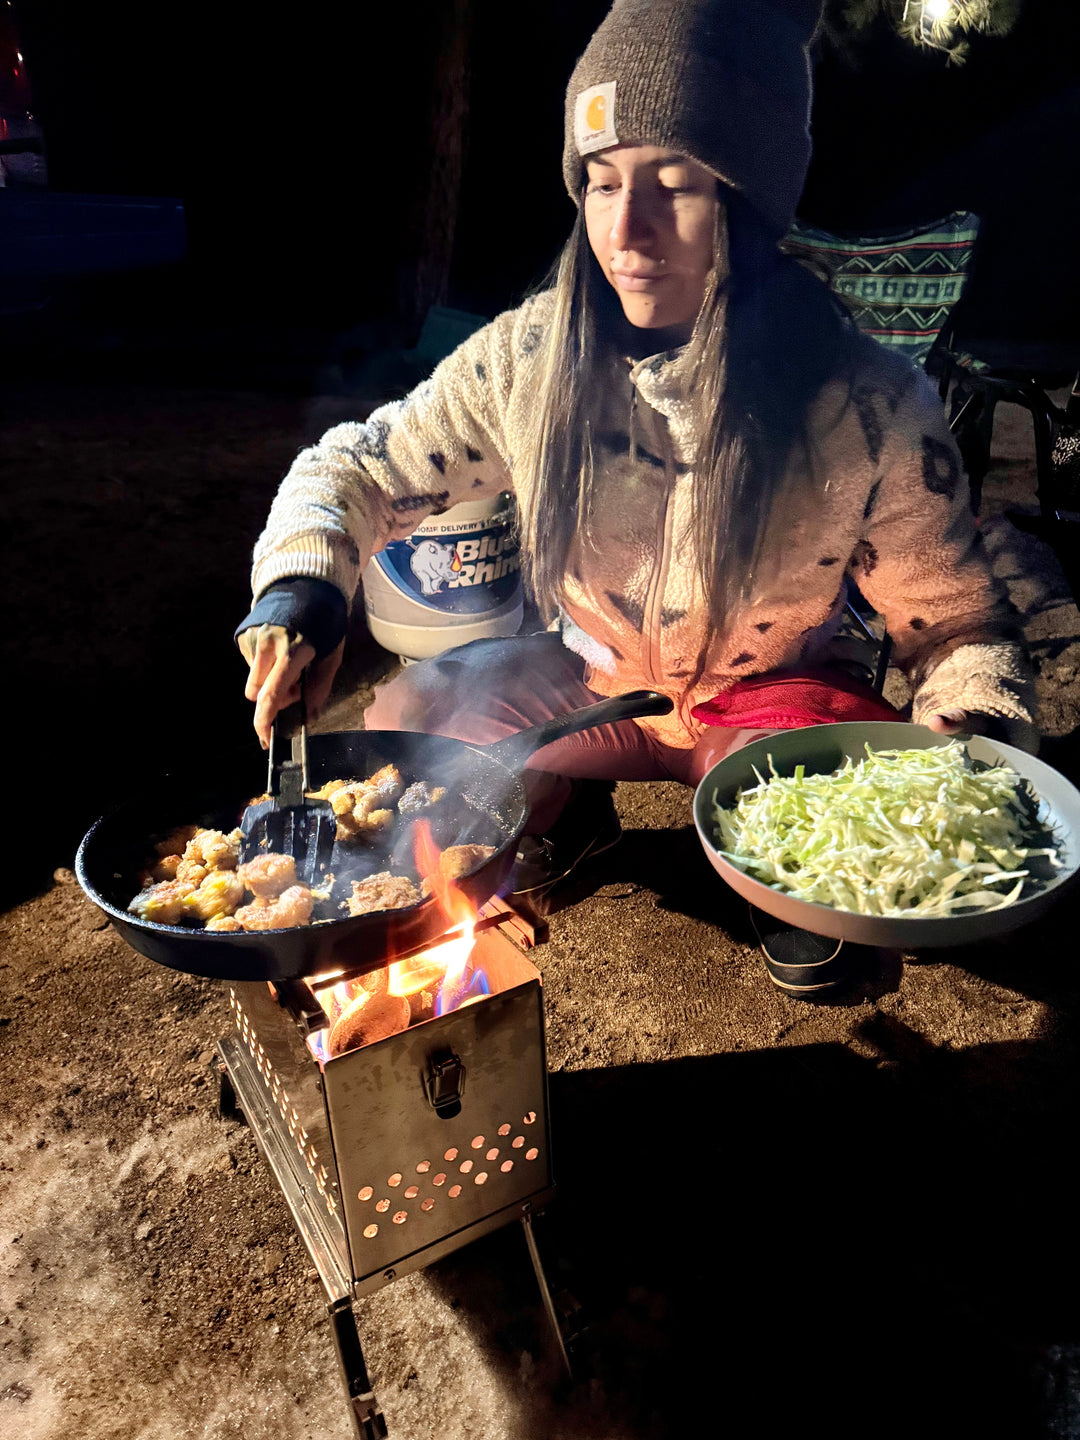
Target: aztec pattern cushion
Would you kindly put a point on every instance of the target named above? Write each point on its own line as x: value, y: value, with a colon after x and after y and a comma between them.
x: 899, y: 286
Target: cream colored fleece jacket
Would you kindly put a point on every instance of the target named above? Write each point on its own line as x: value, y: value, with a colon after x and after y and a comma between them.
x: 887, y: 504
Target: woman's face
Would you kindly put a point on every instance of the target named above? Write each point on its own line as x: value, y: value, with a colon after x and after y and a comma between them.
x: 651, y: 218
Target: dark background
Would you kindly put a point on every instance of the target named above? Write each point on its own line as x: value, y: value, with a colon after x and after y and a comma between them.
x: 347, y: 165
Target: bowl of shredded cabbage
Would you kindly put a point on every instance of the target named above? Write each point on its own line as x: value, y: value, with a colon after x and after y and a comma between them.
x: 890, y: 834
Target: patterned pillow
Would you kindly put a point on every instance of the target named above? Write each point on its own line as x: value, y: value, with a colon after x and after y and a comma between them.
x: 901, y: 285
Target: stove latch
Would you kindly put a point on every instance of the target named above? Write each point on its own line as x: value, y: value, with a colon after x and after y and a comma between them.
x: 445, y: 1083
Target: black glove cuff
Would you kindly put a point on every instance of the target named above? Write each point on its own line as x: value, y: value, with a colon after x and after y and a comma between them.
x: 314, y: 609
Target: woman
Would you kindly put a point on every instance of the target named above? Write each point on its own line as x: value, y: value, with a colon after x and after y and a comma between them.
x: 703, y: 450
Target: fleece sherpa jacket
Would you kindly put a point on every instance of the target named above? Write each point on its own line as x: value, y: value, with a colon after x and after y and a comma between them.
x: 885, y: 503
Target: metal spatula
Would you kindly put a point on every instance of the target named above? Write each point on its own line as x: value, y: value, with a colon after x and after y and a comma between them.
x: 288, y: 823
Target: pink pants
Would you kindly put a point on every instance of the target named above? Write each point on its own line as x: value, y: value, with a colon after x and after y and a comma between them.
x: 492, y: 688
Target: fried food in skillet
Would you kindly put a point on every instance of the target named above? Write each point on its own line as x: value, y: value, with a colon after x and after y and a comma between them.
x: 162, y: 903
x: 420, y: 796
x: 219, y: 894
x: 203, y: 882
x: 197, y: 878
x: 363, y: 807
x: 268, y: 875
x: 458, y: 860
x: 382, y: 892
x: 291, y: 908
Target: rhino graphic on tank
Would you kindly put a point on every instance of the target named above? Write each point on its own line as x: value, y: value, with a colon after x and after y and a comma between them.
x: 433, y: 565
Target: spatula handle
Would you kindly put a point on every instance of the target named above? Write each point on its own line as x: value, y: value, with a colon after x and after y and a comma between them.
x: 299, y: 740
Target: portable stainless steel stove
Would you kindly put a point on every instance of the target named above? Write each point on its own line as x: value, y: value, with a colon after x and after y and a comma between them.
x: 396, y: 1154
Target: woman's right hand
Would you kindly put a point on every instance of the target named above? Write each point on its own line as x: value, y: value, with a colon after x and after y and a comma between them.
x: 276, y: 659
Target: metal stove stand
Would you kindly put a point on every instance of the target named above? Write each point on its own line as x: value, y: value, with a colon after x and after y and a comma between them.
x: 397, y: 1154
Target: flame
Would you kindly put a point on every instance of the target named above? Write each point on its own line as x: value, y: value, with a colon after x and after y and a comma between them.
x: 465, y: 991
x: 442, y: 968
x: 455, y: 564
x: 319, y: 1045
x: 441, y: 965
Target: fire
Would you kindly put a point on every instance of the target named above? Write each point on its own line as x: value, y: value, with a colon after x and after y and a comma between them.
x: 431, y: 983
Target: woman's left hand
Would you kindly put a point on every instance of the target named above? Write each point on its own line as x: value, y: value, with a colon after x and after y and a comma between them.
x: 967, y: 722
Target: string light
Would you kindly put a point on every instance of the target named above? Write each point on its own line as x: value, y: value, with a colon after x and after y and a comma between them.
x: 943, y: 25
x: 936, y: 19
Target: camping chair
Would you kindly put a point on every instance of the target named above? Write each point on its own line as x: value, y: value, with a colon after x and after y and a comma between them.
x: 900, y: 287
x: 981, y: 374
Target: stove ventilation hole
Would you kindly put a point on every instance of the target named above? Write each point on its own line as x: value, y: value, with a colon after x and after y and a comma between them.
x: 423, y: 1167
x: 382, y: 1206
x: 451, y: 1154
x: 481, y: 1178
x: 477, y: 1141
x: 529, y: 1119
x: 370, y: 1231
x: 394, y: 1179
x: 465, y: 1166
x: 504, y: 1129
x: 439, y: 1179
x: 321, y: 1177
x: 365, y: 1194
x: 492, y: 1154
x: 518, y: 1141
x: 281, y: 1102
x: 506, y: 1166
x: 412, y: 1192
x: 454, y: 1191
x: 427, y: 1204
x: 400, y: 1216
x: 531, y: 1154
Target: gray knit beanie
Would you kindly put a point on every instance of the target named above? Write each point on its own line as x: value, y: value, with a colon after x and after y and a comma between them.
x: 726, y: 82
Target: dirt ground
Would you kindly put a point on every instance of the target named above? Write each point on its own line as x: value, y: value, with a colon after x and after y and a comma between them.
x: 853, y: 1218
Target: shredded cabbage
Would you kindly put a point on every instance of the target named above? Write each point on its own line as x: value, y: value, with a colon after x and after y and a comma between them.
x: 899, y: 833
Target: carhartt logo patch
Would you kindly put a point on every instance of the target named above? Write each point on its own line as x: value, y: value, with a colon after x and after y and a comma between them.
x: 594, y: 118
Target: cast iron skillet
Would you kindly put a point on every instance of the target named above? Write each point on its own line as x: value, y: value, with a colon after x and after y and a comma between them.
x: 823, y: 748
x: 486, y: 806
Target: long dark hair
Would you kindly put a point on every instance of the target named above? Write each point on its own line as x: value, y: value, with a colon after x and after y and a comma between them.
x: 767, y: 339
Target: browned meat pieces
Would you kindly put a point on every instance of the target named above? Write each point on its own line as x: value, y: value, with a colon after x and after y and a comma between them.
x: 420, y: 796
x: 268, y: 875
x: 218, y: 895
x: 163, y: 903
x: 363, y: 807
x: 291, y: 908
x: 202, y: 883
x: 458, y: 860
x: 193, y: 878
x: 382, y: 892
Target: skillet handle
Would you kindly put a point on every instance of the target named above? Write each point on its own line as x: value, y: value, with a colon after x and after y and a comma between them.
x: 516, y: 749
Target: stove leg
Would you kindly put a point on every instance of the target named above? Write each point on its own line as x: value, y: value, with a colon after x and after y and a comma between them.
x: 228, y: 1109
x: 545, y: 1294
x: 367, y: 1416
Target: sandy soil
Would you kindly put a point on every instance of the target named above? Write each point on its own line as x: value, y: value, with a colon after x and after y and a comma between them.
x: 852, y: 1217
